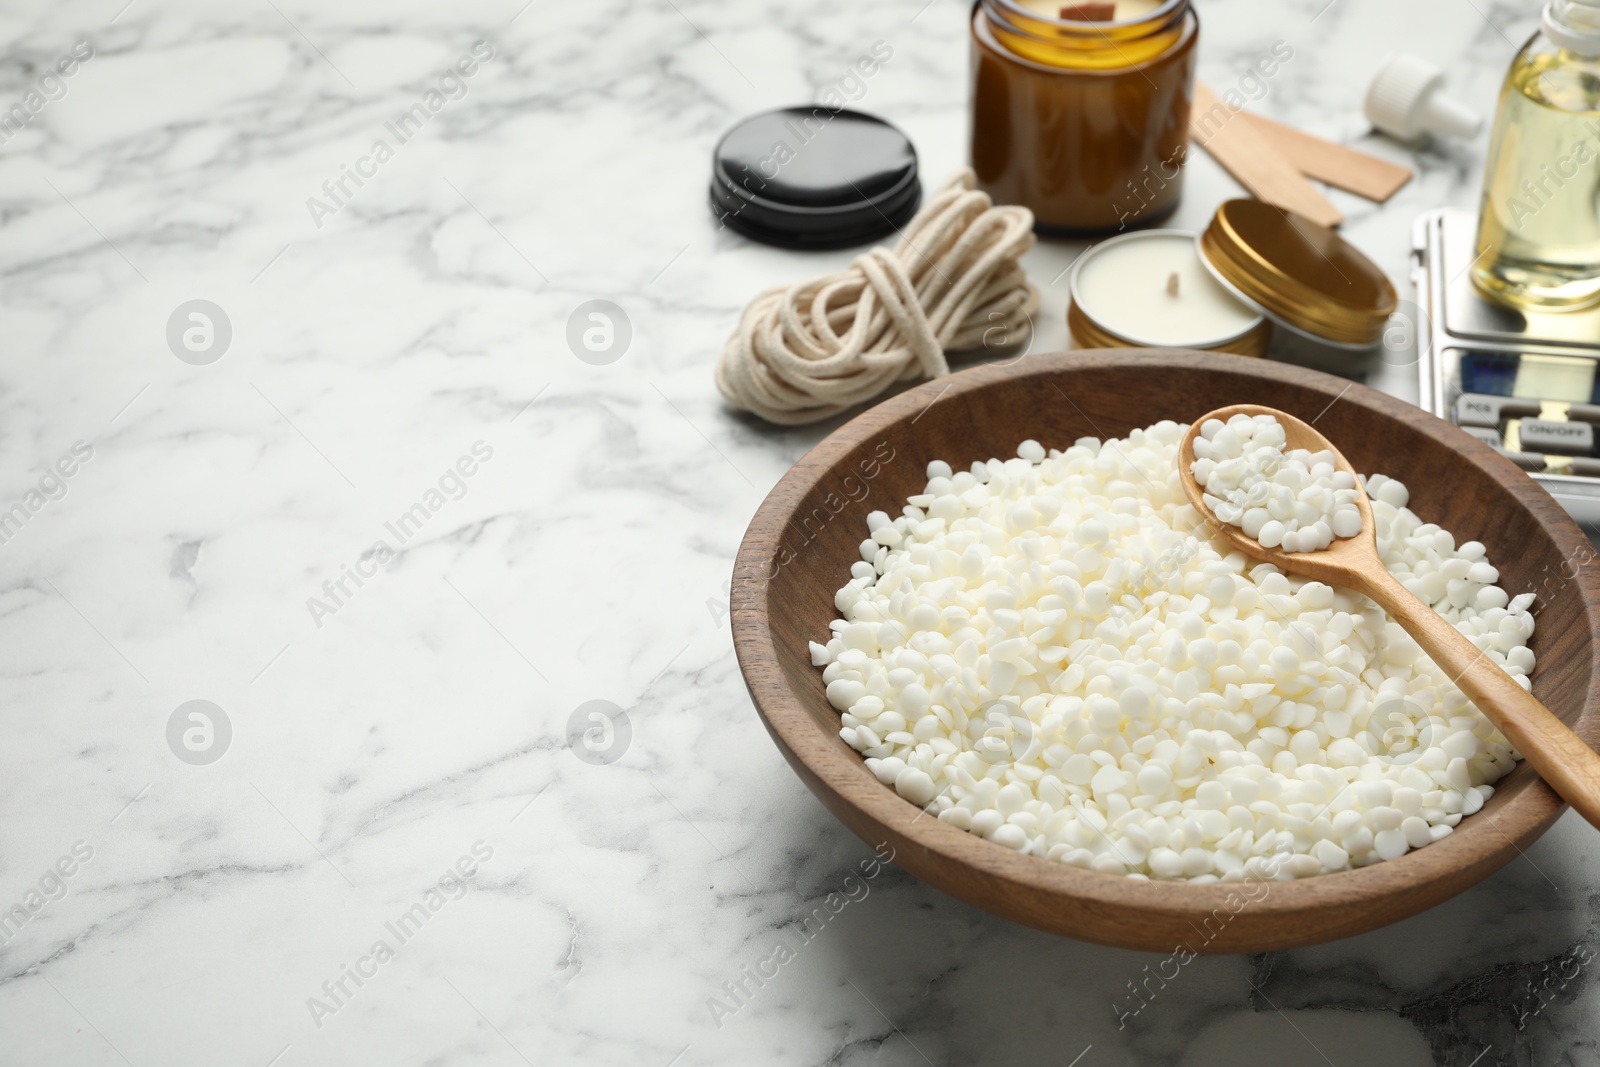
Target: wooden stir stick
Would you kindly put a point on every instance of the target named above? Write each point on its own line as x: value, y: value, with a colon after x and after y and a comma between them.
x: 1571, y: 767
x: 1247, y: 153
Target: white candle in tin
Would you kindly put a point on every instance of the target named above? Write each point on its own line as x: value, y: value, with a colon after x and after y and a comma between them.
x: 1152, y: 289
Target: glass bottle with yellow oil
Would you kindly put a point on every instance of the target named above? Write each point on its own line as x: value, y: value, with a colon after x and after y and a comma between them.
x: 1539, y: 225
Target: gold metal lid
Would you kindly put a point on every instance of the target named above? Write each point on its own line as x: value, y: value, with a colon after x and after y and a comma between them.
x: 1301, y: 274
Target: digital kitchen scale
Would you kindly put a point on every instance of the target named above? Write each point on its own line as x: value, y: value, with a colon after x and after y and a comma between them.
x: 1489, y: 368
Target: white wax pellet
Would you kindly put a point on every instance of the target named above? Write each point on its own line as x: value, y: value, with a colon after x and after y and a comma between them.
x: 1330, y: 855
x: 1010, y: 836
x: 1390, y: 844
x: 1346, y: 521
x: 1055, y: 653
x: 1394, y: 494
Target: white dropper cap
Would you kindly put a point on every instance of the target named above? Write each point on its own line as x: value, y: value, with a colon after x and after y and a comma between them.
x: 1573, y: 25
x: 1405, y: 101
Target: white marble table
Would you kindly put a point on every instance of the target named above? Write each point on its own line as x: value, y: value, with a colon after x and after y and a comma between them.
x: 386, y: 734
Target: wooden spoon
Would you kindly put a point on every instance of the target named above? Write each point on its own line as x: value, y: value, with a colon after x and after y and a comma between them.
x: 1570, y: 767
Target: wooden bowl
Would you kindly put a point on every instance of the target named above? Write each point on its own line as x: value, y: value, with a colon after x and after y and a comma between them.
x: 799, y: 547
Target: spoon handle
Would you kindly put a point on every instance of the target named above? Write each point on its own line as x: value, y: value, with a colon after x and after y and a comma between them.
x: 1569, y: 766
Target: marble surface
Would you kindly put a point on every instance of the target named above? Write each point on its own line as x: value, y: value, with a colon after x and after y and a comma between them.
x: 384, y: 739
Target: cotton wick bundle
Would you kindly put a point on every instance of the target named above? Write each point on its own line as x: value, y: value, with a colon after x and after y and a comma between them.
x: 954, y: 283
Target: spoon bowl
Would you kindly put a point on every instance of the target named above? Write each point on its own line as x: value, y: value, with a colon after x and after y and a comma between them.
x: 1339, y: 563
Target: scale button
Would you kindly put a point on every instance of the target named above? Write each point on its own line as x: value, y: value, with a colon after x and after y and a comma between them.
x: 1476, y: 409
x: 1563, y: 438
x: 1488, y: 435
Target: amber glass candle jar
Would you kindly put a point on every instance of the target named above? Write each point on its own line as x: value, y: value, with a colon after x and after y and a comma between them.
x: 1086, y: 123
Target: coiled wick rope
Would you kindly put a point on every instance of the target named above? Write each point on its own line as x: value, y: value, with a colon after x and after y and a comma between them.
x: 954, y: 283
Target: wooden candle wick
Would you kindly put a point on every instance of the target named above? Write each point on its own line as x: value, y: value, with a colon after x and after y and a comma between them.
x: 1089, y: 12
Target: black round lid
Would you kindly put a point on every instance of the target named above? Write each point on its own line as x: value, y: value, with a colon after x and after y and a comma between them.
x: 811, y: 177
